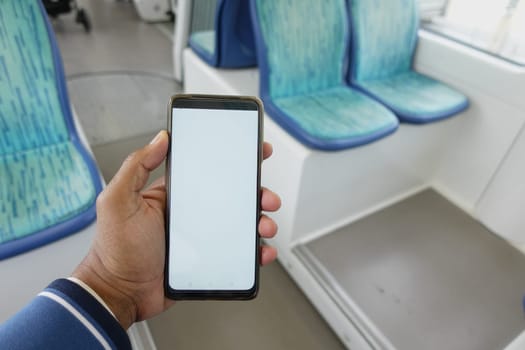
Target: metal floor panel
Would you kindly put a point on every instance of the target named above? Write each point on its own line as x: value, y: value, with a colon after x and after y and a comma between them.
x: 427, y: 275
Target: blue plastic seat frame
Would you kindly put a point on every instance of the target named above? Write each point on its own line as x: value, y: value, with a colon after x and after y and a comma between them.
x: 81, y: 219
x: 346, y: 110
x: 231, y: 43
x: 383, y: 43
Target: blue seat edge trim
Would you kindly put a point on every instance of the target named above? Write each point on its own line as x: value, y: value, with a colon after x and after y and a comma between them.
x: 224, y: 59
x: 287, y: 123
x: 48, y: 235
x: 217, y: 31
x: 84, y: 218
x: 415, y: 118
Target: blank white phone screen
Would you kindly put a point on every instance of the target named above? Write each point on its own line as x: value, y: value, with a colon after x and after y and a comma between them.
x: 213, y: 201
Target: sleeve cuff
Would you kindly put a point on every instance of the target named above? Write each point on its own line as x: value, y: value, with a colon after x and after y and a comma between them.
x: 93, y: 308
x: 92, y: 292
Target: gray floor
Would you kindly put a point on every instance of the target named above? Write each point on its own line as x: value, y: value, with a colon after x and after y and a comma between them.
x: 119, y: 41
x: 279, y: 318
x: 115, y: 106
x: 117, y: 79
x: 428, y: 275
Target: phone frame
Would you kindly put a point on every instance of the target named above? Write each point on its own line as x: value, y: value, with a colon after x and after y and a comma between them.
x: 224, y: 102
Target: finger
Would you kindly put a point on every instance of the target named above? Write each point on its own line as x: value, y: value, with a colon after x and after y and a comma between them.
x: 157, y: 192
x: 268, y: 254
x: 134, y: 172
x: 270, y: 201
x: 267, y: 227
x: 160, y: 182
x: 267, y: 150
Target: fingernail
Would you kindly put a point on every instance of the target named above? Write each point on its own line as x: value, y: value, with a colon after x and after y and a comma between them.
x: 156, y: 138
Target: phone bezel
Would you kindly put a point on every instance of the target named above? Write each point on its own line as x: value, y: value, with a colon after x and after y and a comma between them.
x: 200, y: 101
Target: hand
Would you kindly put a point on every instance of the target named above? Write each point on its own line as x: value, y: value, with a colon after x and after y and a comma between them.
x: 125, y: 265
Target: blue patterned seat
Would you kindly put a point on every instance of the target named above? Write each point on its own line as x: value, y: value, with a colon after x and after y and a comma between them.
x: 231, y: 43
x: 302, y: 52
x: 48, y: 180
x: 384, y: 36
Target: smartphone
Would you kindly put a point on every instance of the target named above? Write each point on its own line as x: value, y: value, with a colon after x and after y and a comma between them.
x: 213, y: 175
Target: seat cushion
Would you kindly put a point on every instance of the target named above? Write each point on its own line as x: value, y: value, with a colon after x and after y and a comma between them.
x: 333, y: 119
x: 414, y: 97
x: 42, y: 188
x: 203, y: 43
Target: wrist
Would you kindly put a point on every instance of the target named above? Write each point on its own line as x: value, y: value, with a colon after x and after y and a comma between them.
x: 120, y: 304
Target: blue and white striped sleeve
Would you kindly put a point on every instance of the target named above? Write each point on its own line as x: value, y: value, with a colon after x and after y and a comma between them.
x: 63, y: 316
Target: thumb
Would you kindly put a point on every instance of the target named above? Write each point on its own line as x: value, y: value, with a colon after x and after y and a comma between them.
x: 134, y: 172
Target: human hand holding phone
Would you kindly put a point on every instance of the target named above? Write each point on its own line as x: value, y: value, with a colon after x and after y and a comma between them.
x: 125, y: 264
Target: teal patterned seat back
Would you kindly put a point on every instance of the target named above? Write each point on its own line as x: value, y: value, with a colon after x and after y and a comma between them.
x: 48, y: 180
x: 384, y: 35
x: 27, y: 81
x: 311, y: 56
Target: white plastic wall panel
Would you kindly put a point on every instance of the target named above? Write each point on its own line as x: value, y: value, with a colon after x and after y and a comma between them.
x: 483, y: 134
x: 475, y: 148
x: 502, y: 207
x: 338, y: 187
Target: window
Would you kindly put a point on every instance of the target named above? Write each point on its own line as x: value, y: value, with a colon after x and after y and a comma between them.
x: 494, y: 26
